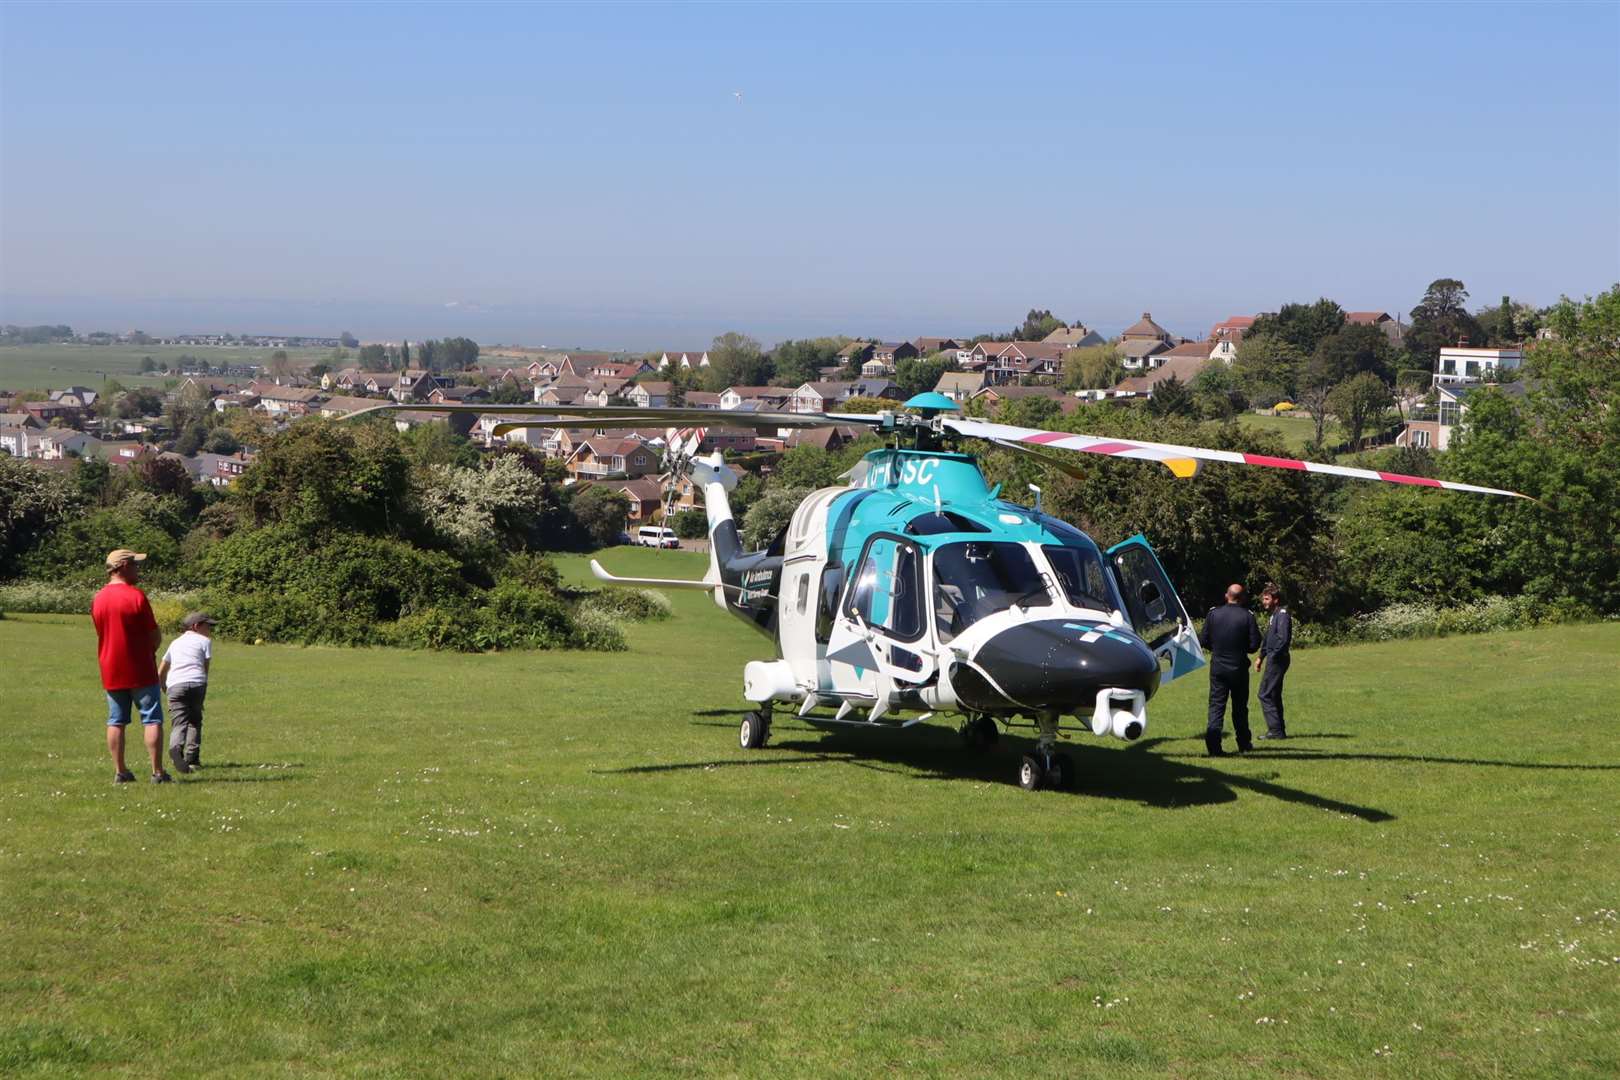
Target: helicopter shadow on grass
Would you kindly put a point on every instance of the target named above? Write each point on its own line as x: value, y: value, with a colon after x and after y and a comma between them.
x: 1131, y: 773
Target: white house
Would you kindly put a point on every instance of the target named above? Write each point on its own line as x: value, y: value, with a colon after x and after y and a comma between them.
x: 1464, y: 363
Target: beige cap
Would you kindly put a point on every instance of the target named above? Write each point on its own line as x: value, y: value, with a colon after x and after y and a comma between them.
x: 118, y: 558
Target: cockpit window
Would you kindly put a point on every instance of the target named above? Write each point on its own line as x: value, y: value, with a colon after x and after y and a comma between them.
x: 972, y: 580
x: 1080, y: 571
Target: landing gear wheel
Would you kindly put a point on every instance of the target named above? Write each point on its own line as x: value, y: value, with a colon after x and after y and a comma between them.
x: 1061, y: 775
x: 1031, y: 773
x: 980, y: 733
x: 754, y: 730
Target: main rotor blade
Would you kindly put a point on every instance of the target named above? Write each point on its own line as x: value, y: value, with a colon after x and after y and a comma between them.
x: 631, y: 417
x: 1183, y: 460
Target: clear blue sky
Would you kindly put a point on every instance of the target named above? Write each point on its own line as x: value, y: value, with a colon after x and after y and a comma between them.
x: 570, y: 175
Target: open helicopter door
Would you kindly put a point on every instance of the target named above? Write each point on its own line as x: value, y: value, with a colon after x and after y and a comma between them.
x: 878, y: 645
x: 1156, y: 612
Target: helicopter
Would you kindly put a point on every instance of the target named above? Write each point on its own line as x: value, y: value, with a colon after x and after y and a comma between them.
x: 915, y: 590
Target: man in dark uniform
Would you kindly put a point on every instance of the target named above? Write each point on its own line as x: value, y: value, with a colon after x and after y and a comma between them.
x: 1272, y: 663
x: 1230, y: 634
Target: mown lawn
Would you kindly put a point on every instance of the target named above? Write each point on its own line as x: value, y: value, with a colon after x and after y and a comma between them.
x: 411, y: 864
x: 1295, y: 430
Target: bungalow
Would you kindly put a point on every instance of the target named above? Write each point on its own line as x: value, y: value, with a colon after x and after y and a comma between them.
x: 928, y: 346
x: 19, y: 419
x: 284, y: 400
x: 702, y: 399
x: 1142, y: 354
x: 339, y: 405
x: 457, y: 395
x: 1183, y: 369
x: 1074, y: 337
x: 59, y: 443
x: 763, y: 398
x: 1145, y: 329
x: 959, y: 385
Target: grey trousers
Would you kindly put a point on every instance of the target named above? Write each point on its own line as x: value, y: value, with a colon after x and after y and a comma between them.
x: 185, y: 720
x: 1271, y: 686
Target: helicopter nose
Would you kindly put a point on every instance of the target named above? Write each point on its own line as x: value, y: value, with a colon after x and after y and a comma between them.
x: 1055, y: 664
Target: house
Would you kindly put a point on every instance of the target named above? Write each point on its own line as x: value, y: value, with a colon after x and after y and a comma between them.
x: 457, y: 395
x: 546, y: 370
x: 875, y: 388
x: 1430, y: 427
x: 564, y: 390
x: 928, y: 346
x: 75, y: 397
x: 242, y: 400
x: 1199, y: 349
x: 19, y: 420
x: 1183, y: 368
x: 758, y: 398
x: 600, y: 457
x: 885, y: 355
x: 648, y: 395
x: 1233, y: 326
x: 59, y: 443
x: 646, y: 497
x: 856, y: 352
x: 339, y: 405
x: 1012, y: 361
x: 18, y: 441
x: 825, y: 438
x: 702, y: 399
x: 601, y: 366
x: 959, y: 385
x: 1462, y: 363
x: 1074, y: 337
x: 733, y: 439
x: 994, y: 395
x: 483, y: 431
x: 415, y: 385
x: 1141, y: 344
x: 282, y: 401
x: 1392, y: 327
x: 815, y: 397
x: 49, y: 412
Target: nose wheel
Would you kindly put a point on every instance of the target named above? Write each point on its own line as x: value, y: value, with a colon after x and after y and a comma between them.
x: 1046, y: 766
x: 754, y: 729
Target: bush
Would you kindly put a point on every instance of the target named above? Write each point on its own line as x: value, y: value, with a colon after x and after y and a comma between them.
x: 690, y: 524
x: 628, y: 603
x: 55, y: 598
x: 597, y: 630
x: 76, y: 552
x: 1399, y: 622
x: 534, y: 571
x: 511, y: 616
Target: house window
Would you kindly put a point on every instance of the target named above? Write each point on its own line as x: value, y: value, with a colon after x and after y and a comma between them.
x: 1420, y: 438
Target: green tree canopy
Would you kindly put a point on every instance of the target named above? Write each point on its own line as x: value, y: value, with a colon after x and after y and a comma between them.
x: 1440, y: 319
x: 1301, y: 325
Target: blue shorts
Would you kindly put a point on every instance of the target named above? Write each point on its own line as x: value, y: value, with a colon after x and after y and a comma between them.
x: 148, y: 699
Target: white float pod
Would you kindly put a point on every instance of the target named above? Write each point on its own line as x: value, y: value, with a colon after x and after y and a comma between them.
x: 1120, y: 713
x: 770, y: 680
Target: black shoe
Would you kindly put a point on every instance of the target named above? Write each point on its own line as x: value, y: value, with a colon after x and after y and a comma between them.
x: 1212, y: 748
x: 1244, y: 748
x: 1275, y: 735
x: 125, y: 777
x: 162, y: 778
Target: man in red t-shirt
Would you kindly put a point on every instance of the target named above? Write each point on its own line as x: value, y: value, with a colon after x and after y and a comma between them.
x: 128, y: 638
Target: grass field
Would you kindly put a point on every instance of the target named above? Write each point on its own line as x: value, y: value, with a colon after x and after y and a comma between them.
x: 410, y: 864
x: 1296, y: 431
x: 51, y: 367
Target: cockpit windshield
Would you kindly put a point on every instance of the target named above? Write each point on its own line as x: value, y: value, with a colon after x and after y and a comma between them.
x: 972, y: 580
x: 1080, y: 572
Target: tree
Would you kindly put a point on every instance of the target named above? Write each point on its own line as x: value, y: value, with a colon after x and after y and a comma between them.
x: 1094, y: 367
x: 33, y: 503
x: 690, y: 524
x: 483, y: 508
x: 91, y: 476
x: 148, y: 365
x: 1354, y: 349
x: 1301, y: 325
x: 799, y: 362
x: 280, y: 365
x: 1267, y: 368
x: 918, y: 376
x: 807, y: 467
x: 601, y: 513
x: 1171, y: 398
x: 736, y: 359
x: 1313, y: 390
x: 1508, y: 323
x: 867, y: 405
x: 1037, y: 324
x: 142, y: 402
x: 1359, y: 403
x: 348, y: 340
x: 220, y: 440
x: 1216, y: 394
x: 1441, y: 319
x: 375, y: 358
x: 321, y: 473
x: 769, y: 515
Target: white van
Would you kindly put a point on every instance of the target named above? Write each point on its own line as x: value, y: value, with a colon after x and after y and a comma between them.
x: 653, y: 536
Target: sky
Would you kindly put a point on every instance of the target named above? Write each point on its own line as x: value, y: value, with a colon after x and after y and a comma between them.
x: 649, y: 176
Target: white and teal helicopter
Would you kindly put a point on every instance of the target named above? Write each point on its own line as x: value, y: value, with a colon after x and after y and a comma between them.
x: 915, y: 590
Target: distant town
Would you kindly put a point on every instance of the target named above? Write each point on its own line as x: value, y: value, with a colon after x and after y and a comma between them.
x: 210, y: 416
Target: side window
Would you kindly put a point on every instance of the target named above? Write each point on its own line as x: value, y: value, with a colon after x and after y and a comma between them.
x: 832, y: 581
x: 887, y: 590
x: 1154, y: 611
x: 804, y: 593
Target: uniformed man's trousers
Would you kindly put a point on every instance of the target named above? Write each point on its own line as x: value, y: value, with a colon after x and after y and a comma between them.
x: 1271, y: 690
x: 1225, y: 684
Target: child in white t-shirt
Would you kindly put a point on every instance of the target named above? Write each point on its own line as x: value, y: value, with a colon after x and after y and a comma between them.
x: 183, y: 671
